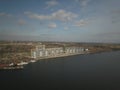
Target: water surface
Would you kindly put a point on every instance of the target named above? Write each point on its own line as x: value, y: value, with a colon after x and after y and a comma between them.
x: 85, y: 72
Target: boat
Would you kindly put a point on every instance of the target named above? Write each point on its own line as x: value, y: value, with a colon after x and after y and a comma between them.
x: 22, y: 63
x: 32, y: 61
x: 12, y: 67
x: 11, y: 64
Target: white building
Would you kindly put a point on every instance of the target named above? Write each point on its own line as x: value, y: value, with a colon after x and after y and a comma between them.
x: 40, y: 51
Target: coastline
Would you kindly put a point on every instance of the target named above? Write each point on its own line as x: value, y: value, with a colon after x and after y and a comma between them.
x: 100, y: 52
x: 20, y: 67
x: 60, y: 56
x: 77, y: 54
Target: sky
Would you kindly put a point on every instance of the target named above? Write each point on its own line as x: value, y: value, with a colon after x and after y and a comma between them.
x: 60, y: 20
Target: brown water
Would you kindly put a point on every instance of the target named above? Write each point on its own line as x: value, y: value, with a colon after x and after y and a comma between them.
x: 80, y: 72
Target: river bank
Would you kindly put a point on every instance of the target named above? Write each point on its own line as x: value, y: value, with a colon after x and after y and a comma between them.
x: 20, y: 66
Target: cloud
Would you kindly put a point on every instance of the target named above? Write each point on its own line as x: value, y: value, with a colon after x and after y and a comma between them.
x: 80, y: 23
x: 5, y: 14
x: 37, y: 16
x: 66, y: 28
x: 2, y: 14
x: 21, y: 22
x: 108, y: 36
x: 115, y: 16
x: 51, y: 3
x: 83, y: 3
x: 60, y: 15
x: 64, y: 15
x: 52, y: 25
x: 6, y: 18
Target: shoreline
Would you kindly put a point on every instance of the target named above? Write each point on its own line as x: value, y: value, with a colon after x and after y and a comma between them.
x: 76, y: 55
x: 104, y: 52
x: 20, y: 67
x: 64, y: 55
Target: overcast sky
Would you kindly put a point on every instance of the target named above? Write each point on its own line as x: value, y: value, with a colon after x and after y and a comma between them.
x: 60, y: 20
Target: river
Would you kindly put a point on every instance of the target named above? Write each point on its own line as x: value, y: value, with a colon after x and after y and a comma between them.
x: 81, y: 72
